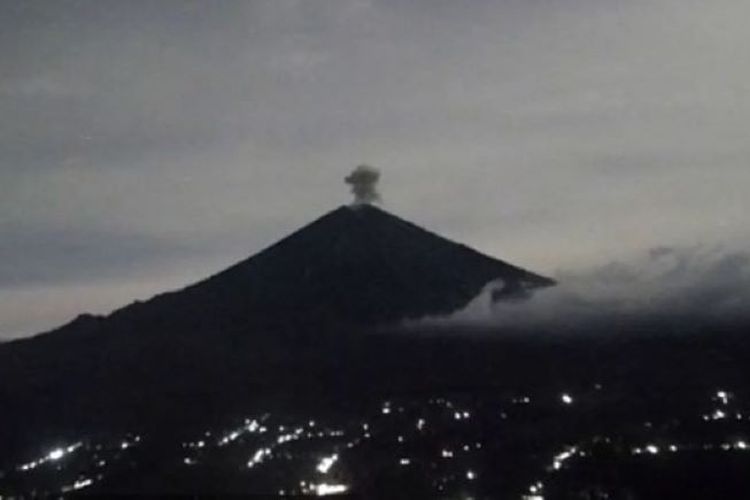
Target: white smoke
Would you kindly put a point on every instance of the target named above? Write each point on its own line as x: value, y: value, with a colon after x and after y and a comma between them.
x: 363, y: 181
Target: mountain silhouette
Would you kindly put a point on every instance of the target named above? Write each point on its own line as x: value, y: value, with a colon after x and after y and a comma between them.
x: 260, y: 327
x: 357, y: 264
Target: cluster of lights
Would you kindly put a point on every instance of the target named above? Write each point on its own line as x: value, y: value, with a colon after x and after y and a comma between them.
x: 252, y: 426
x: 229, y: 438
x: 326, y: 463
x: 386, y: 409
x: 78, y: 485
x: 285, y: 438
x: 258, y: 457
x: 125, y: 444
x: 57, y: 455
x: 723, y: 397
x: 52, y: 456
x: 563, y: 456
x: 310, y: 429
x: 653, y: 449
x: 461, y: 415
x: 536, y: 488
x: 366, y: 430
x: 323, y: 489
x: 717, y: 415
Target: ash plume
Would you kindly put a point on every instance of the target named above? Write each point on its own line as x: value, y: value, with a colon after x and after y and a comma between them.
x: 363, y: 181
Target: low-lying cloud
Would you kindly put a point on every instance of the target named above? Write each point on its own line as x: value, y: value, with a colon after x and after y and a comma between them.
x: 665, y: 283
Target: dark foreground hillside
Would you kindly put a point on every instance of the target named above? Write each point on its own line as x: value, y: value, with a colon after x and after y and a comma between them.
x: 650, y: 413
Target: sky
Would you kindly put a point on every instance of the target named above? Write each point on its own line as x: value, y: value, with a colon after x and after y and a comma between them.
x: 147, y: 144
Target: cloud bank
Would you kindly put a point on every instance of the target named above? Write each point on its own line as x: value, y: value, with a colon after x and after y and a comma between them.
x: 674, y: 285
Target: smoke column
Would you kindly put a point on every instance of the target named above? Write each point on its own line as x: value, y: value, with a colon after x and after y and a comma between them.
x: 363, y: 181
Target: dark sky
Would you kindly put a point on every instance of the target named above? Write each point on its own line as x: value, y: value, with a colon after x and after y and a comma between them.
x: 144, y: 144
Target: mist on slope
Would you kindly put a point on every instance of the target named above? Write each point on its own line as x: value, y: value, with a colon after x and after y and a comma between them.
x: 682, y: 285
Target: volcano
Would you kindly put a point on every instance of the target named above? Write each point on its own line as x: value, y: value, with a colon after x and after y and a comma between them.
x: 356, y: 265
x: 260, y: 327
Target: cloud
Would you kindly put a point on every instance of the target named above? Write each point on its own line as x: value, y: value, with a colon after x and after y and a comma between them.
x: 676, y: 285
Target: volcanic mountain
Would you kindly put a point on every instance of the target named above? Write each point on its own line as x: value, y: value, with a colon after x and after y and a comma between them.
x: 251, y: 326
x: 355, y: 265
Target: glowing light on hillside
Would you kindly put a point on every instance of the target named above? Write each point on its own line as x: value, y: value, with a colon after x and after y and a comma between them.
x: 723, y: 396
x: 324, y: 489
x: 326, y: 463
x: 258, y: 457
x: 53, y: 456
